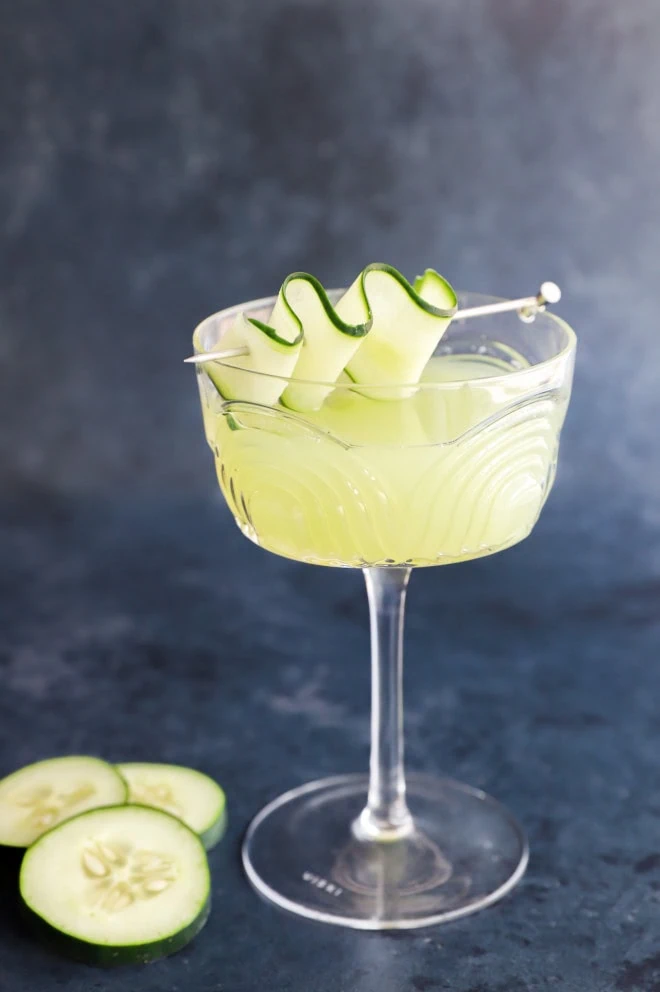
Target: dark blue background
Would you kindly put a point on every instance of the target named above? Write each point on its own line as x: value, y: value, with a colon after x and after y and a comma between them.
x: 162, y: 159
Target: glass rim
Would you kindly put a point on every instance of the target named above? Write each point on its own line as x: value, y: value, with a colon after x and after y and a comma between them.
x: 515, y: 373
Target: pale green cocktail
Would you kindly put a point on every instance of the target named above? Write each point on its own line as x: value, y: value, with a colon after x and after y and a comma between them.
x: 434, y: 478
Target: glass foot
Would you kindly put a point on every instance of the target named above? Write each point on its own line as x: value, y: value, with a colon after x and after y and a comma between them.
x: 465, y: 853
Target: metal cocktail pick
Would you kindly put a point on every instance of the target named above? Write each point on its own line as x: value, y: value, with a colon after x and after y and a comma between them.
x: 528, y: 307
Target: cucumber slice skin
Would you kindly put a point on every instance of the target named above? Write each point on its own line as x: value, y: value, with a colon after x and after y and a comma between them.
x: 412, y: 289
x: 211, y: 838
x: 328, y: 344
x: 236, y: 379
x: 108, y: 955
x: 111, y: 957
x: 213, y: 829
x: 433, y: 288
x: 7, y: 845
x: 353, y: 316
x: 352, y: 320
x: 385, y: 358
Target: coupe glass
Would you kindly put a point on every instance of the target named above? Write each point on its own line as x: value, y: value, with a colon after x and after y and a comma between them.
x: 441, y: 472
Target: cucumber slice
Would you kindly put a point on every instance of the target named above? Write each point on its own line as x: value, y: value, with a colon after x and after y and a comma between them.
x: 328, y: 342
x: 38, y: 797
x: 405, y: 329
x: 382, y: 331
x: 434, y: 289
x: 121, y: 885
x: 183, y: 792
x: 271, y: 350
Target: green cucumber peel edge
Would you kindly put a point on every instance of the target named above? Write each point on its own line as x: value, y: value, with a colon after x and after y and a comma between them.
x: 412, y: 289
x: 106, y: 956
x: 362, y: 329
x: 353, y: 330
x: 271, y: 333
x: 214, y: 834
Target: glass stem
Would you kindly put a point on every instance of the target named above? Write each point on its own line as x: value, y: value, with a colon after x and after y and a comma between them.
x: 386, y: 815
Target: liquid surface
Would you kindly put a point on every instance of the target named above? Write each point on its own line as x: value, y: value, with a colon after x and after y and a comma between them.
x: 446, y: 473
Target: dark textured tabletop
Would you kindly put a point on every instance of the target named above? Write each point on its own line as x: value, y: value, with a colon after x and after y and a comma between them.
x: 163, y: 158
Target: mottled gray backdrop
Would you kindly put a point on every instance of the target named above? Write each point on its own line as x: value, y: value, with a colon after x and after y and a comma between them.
x: 163, y: 158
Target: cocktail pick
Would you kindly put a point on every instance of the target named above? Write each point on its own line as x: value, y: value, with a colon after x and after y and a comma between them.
x: 527, y: 306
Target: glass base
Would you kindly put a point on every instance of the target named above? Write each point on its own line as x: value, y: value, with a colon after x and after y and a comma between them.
x: 465, y: 853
